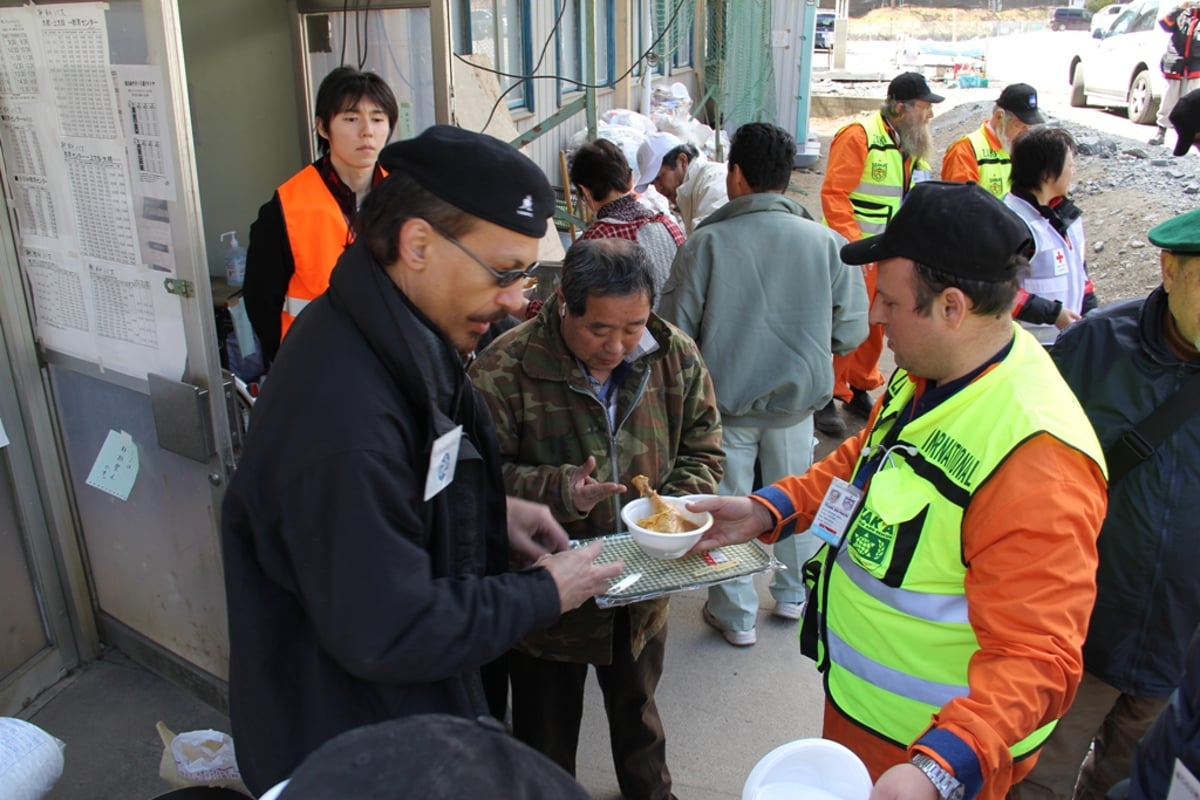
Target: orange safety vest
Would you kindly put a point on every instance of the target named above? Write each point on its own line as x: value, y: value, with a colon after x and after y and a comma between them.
x: 318, y: 232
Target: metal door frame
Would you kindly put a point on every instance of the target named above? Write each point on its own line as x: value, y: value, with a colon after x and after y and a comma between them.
x: 439, y: 29
x: 61, y: 557
x: 47, y: 522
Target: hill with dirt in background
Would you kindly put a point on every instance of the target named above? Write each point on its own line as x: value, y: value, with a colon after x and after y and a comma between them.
x: 945, y: 24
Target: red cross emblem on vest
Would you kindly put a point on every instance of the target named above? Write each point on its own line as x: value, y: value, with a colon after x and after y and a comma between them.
x: 1058, y: 257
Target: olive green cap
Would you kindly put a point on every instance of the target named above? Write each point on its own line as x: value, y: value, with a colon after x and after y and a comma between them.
x: 1179, y: 234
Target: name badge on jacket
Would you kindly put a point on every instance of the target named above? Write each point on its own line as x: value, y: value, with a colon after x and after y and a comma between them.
x: 442, y: 461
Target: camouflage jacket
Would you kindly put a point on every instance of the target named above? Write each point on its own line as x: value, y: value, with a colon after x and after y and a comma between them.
x: 549, y: 421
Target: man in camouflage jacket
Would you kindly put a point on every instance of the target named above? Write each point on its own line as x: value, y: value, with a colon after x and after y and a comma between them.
x: 593, y: 391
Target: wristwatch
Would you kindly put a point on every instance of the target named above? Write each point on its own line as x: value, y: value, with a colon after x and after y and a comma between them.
x: 949, y: 787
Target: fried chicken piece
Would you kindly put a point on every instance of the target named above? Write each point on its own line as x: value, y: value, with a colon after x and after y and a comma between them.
x: 666, y: 518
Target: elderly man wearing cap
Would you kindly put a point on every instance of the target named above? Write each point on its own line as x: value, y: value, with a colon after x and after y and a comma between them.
x: 694, y: 185
x: 871, y: 167
x: 950, y: 604
x: 366, y: 535
x: 1186, y: 119
x: 1144, y: 403
x: 982, y: 155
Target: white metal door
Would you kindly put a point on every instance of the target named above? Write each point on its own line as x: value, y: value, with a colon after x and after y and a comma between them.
x: 108, y: 250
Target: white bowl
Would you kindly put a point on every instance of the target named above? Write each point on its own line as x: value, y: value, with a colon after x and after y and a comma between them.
x: 664, y: 545
x: 808, y: 768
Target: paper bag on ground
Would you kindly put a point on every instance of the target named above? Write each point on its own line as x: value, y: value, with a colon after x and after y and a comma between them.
x: 198, y: 758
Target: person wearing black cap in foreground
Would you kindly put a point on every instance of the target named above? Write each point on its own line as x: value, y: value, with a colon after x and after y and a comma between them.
x: 949, y: 605
x: 982, y: 156
x: 430, y: 757
x: 872, y: 165
x: 366, y: 535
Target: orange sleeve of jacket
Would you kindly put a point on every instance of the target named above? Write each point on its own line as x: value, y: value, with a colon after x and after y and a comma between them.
x: 808, y: 490
x: 1029, y: 540
x: 959, y: 163
x: 843, y: 172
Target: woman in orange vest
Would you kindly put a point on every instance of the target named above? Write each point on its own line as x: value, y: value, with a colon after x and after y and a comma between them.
x: 302, y: 230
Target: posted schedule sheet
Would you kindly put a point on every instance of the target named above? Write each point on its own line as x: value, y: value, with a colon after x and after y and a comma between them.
x: 87, y: 155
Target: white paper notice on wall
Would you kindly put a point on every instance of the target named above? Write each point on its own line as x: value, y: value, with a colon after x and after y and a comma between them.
x: 779, y: 38
x: 116, y: 467
x: 3, y: 435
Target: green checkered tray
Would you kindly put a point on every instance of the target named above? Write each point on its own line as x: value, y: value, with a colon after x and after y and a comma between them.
x: 661, y: 577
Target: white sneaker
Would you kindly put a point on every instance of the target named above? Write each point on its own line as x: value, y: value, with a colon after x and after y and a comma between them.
x: 789, y: 610
x: 735, y: 638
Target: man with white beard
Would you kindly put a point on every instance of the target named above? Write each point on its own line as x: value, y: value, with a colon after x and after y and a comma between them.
x: 872, y: 165
x: 982, y: 156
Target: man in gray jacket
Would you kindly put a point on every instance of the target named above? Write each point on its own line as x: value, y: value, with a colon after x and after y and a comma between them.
x: 762, y: 289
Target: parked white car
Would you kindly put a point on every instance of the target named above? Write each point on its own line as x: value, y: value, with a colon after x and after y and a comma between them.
x: 1103, y: 18
x: 1119, y: 67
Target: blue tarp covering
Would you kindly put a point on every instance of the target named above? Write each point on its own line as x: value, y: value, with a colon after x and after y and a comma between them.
x: 970, y: 49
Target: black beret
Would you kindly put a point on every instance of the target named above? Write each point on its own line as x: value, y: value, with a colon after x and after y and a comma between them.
x: 478, y: 174
x: 956, y: 228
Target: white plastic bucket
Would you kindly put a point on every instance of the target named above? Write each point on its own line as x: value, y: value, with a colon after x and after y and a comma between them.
x: 808, y: 769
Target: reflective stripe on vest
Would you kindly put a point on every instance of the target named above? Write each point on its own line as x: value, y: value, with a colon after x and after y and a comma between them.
x: 882, y: 185
x: 900, y: 569
x: 950, y: 608
x: 995, y: 166
x: 318, y: 232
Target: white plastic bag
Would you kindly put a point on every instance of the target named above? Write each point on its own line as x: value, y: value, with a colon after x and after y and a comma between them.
x: 31, y: 760
x: 198, y: 758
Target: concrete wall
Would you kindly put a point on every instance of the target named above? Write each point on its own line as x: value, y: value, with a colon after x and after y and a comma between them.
x: 240, y: 65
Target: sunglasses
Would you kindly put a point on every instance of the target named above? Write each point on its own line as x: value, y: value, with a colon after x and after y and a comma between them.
x: 503, y: 279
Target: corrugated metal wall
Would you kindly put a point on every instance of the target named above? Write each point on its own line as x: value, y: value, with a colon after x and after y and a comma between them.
x: 790, y: 51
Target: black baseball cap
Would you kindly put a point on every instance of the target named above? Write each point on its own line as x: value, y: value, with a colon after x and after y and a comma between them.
x: 1021, y: 99
x: 477, y: 173
x: 1185, y: 117
x: 960, y: 229
x: 912, y: 86
x: 431, y: 757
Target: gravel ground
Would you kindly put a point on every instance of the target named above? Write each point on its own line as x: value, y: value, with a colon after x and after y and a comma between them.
x: 1125, y: 187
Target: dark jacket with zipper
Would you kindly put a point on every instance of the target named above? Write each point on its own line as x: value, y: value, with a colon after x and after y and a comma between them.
x: 1118, y: 363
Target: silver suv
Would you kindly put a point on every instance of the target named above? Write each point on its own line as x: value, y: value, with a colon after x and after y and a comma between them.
x: 1119, y: 67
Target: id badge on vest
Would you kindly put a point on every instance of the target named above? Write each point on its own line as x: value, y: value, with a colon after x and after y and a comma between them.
x: 833, y: 517
x: 442, y: 461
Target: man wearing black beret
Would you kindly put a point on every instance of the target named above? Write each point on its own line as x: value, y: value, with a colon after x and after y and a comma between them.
x: 366, y: 535
x: 948, y: 607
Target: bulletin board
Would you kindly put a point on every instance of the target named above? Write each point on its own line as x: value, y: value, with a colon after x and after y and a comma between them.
x: 87, y: 158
